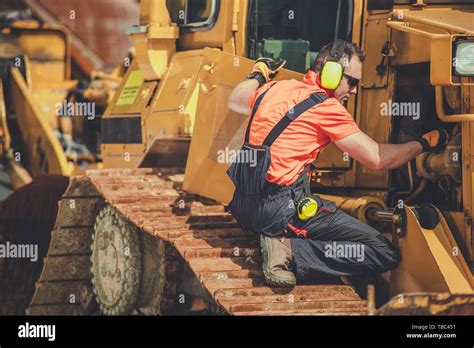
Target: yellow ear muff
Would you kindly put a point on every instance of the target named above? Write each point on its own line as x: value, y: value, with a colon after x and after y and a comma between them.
x: 331, y: 75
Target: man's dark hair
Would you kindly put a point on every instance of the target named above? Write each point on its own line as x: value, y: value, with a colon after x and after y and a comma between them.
x: 350, y: 50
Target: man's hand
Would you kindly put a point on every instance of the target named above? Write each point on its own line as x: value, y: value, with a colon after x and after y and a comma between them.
x: 434, y: 141
x: 263, y: 71
x: 266, y: 69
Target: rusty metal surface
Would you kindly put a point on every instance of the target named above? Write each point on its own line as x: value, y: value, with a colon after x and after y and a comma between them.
x: 99, y: 26
x: 225, y: 259
x: 429, y: 304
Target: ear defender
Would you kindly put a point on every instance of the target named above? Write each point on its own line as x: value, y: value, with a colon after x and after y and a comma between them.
x: 332, y: 71
x: 331, y: 75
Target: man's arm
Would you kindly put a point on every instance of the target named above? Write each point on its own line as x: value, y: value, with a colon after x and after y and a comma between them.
x: 389, y: 156
x: 239, y: 98
x: 264, y: 70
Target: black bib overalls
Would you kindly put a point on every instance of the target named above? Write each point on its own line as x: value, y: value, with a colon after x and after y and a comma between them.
x: 259, y: 205
x: 270, y: 209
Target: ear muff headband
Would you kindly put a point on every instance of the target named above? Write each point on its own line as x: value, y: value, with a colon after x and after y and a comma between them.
x: 332, y: 71
x: 337, y: 50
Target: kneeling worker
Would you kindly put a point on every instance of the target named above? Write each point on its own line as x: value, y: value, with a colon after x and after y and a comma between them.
x: 290, y: 123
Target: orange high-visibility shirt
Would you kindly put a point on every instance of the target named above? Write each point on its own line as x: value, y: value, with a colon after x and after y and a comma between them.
x: 301, y: 142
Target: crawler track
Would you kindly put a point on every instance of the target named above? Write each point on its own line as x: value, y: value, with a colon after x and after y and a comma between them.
x: 225, y: 259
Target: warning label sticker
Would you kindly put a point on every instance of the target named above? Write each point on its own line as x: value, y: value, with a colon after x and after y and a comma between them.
x: 131, y: 88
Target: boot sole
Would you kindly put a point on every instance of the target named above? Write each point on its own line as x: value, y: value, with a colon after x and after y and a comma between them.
x: 269, y: 278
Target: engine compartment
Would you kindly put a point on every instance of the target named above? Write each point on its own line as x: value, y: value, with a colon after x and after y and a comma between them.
x: 430, y: 178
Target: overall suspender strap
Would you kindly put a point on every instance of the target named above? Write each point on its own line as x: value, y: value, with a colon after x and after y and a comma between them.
x: 254, y: 110
x: 292, y: 115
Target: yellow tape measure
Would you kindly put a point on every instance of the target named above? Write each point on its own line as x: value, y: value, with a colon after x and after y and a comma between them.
x: 307, y: 208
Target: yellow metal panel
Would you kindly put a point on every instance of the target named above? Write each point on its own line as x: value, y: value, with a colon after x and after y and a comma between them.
x: 155, y: 42
x: 358, y: 24
x: 469, y: 226
x: 131, y: 99
x: 418, y: 271
x: 46, y: 44
x: 240, y: 36
x: 204, y: 175
x: 47, y: 51
x: 468, y: 184
x: 428, y: 263
x: 122, y: 155
x: 378, y: 128
x: 112, y: 108
x: 228, y: 132
x: 37, y: 44
x: 443, y: 238
x: 441, y: 61
x: 4, y: 131
x: 191, y: 110
x: 377, y: 34
x: 177, y: 85
x: 47, y: 99
x: 444, y: 19
x: 43, y: 74
x: 153, y: 54
x: 468, y: 189
x: 129, y: 93
x: 411, y: 49
x: 44, y: 154
x: 173, y: 108
x: 173, y: 123
x: 450, y: 270
x: 166, y: 123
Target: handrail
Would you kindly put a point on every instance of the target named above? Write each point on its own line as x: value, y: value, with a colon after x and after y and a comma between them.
x: 440, y: 109
x: 436, y: 24
x: 402, y: 26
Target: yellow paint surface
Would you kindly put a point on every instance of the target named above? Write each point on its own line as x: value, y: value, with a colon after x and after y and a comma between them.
x: 131, y: 88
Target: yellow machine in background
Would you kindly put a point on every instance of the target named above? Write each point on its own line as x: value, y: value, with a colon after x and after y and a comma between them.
x: 40, y: 106
x: 18, y: 175
x: 170, y: 114
x: 26, y: 61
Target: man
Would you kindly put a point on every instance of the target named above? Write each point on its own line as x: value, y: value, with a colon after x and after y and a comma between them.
x: 291, y: 122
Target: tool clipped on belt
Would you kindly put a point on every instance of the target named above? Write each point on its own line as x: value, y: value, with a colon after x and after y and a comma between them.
x: 307, y: 208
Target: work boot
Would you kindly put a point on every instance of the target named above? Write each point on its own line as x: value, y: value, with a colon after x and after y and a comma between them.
x: 277, y: 260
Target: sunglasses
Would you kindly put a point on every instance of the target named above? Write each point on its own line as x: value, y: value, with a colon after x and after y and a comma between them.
x: 351, y: 81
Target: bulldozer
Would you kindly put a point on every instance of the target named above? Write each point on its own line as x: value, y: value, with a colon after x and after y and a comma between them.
x: 151, y: 234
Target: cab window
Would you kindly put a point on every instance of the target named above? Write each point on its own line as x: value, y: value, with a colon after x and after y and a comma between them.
x: 297, y: 29
x: 193, y: 14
